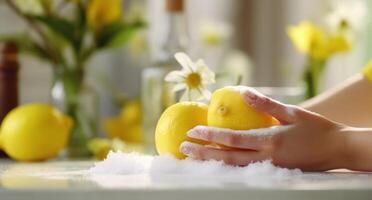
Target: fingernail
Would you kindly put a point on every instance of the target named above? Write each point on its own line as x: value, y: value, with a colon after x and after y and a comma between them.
x: 251, y: 98
x: 192, y: 133
x: 185, y: 149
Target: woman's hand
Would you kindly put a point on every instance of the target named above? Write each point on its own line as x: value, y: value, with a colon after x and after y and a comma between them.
x: 304, y: 139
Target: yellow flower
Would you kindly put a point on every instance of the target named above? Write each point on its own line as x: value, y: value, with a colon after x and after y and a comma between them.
x: 367, y: 71
x: 136, y: 12
x: 213, y: 34
x: 101, y: 13
x: 314, y: 41
x: 138, y: 44
x: 309, y: 39
x: 338, y: 43
x: 127, y: 126
x: 100, y: 147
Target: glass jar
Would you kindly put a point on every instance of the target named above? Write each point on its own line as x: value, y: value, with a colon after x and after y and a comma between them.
x: 71, y: 94
x: 157, y: 95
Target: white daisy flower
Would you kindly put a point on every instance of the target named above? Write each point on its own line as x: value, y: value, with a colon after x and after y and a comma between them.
x: 347, y: 15
x: 214, y: 34
x: 193, y: 78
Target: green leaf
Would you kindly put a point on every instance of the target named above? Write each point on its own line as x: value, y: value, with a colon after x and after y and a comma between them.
x: 27, y: 45
x: 81, y: 14
x: 62, y: 27
x: 122, y: 37
x: 80, y: 24
x: 116, y: 35
x: 103, y: 37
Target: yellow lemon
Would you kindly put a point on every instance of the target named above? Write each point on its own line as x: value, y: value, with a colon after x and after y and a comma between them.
x: 127, y: 126
x: 132, y: 112
x: 118, y: 128
x: 34, y: 132
x: 175, y: 122
x: 229, y: 110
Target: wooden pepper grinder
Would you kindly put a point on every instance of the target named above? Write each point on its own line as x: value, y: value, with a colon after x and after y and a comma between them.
x: 8, y: 78
x: 174, y: 5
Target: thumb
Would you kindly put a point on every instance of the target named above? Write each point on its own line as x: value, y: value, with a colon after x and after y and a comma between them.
x: 286, y: 114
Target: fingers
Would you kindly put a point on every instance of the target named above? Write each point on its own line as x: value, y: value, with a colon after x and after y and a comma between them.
x: 232, y: 157
x: 255, y: 139
x: 286, y: 114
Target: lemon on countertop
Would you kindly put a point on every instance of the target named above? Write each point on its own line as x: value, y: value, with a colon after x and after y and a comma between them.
x: 128, y: 125
x: 174, y: 123
x: 228, y: 109
x: 34, y: 132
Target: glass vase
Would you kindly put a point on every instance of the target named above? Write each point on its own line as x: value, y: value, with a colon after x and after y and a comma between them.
x: 71, y: 94
x: 313, y: 71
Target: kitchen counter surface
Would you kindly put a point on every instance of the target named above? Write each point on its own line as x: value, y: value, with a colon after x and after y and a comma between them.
x: 71, y: 180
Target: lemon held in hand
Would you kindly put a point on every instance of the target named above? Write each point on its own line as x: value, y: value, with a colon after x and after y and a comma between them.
x: 34, y: 132
x: 229, y: 110
x: 175, y: 122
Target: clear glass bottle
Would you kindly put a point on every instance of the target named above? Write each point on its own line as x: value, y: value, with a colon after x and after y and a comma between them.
x: 71, y: 94
x: 156, y: 93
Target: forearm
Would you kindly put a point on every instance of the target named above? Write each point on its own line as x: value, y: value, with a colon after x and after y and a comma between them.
x: 358, y: 149
x: 349, y: 103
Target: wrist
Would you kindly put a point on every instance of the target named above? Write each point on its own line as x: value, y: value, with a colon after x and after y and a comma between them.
x: 346, y: 148
x: 357, y: 154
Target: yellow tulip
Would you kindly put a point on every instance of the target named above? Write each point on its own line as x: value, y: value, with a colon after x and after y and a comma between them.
x: 101, y: 13
x: 314, y: 41
x: 338, y: 43
x: 309, y: 39
x: 367, y: 71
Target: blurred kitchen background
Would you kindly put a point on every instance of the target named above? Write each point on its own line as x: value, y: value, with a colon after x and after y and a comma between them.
x: 252, y: 33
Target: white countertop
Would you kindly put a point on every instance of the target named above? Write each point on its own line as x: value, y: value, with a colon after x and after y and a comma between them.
x: 70, y: 180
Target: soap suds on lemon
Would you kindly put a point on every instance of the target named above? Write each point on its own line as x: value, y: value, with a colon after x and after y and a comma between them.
x: 258, y: 174
x: 270, y: 131
x: 243, y: 90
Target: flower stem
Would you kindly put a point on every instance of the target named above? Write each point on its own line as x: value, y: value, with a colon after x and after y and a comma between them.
x: 52, y: 53
x: 312, y: 73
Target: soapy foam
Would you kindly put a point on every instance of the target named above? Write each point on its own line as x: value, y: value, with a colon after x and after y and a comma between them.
x: 270, y: 131
x: 290, y: 109
x: 159, y: 167
x: 243, y: 89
